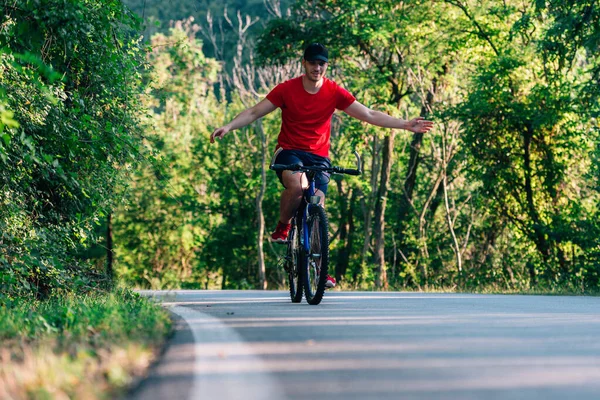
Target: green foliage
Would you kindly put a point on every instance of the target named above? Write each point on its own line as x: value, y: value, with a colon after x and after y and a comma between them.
x: 163, y: 226
x: 96, y: 341
x: 93, y: 321
x: 69, y: 82
x: 6, y: 121
x: 530, y: 142
x: 190, y: 219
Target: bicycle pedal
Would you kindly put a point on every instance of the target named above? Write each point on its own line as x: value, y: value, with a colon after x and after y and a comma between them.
x: 278, y: 241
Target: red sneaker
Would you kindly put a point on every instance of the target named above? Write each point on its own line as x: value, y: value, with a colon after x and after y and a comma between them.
x: 281, y: 233
x: 330, y: 282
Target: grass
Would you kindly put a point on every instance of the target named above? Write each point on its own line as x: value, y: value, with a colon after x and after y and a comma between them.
x: 539, y: 290
x: 89, y: 346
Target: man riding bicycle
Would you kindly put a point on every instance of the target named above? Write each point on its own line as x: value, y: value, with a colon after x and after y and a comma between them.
x: 307, y: 104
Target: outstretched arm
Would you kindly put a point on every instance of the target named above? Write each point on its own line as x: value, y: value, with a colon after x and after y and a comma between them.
x: 244, y: 118
x: 359, y: 111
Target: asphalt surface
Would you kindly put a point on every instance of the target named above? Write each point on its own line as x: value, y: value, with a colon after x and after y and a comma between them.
x: 258, y: 345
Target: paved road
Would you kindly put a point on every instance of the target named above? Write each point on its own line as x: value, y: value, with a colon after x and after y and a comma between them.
x: 258, y: 345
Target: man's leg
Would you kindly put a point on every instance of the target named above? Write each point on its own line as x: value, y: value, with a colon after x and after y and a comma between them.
x: 291, y: 197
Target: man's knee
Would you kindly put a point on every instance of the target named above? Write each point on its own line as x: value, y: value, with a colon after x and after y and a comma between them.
x: 294, y: 181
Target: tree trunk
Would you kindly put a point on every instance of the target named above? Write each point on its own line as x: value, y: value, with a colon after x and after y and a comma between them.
x: 358, y: 194
x: 413, y: 163
x: 538, y: 227
x: 381, y: 280
x: 109, y: 248
x: 262, y: 281
x: 368, y: 203
x: 343, y: 255
x: 351, y: 226
x: 410, y: 182
x: 450, y: 222
x: 224, y: 279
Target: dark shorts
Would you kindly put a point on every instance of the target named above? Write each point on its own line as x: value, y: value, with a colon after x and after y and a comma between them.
x: 288, y: 157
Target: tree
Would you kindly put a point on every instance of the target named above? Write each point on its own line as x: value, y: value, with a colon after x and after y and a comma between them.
x: 162, y: 228
x: 68, y: 75
x: 520, y: 125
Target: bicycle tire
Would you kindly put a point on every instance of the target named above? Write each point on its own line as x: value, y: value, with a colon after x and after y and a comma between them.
x: 294, y: 262
x: 316, y: 263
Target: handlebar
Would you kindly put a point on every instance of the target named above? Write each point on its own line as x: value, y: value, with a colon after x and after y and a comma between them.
x: 334, y: 170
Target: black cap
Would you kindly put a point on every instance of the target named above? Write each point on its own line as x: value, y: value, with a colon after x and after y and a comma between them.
x: 316, y: 51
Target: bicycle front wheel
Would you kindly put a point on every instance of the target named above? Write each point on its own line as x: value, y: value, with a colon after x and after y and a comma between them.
x: 293, y: 267
x: 317, y: 258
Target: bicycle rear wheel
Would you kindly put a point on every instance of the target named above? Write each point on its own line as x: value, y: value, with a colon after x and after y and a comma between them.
x: 293, y: 263
x: 317, y: 258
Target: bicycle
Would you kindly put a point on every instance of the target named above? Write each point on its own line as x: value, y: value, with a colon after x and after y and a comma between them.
x: 306, y: 260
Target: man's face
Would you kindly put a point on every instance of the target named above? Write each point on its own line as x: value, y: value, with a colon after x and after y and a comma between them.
x: 314, y: 70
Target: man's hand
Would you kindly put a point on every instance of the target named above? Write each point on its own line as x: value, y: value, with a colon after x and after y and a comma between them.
x: 244, y: 118
x: 219, y: 133
x: 419, y: 125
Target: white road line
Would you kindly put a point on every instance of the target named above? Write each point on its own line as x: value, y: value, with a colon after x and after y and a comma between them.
x: 225, y: 386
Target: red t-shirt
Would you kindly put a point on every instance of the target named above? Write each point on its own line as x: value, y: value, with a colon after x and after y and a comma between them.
x: 305, y: 117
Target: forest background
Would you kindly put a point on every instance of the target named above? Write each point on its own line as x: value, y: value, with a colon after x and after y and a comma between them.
x: 107, y: 169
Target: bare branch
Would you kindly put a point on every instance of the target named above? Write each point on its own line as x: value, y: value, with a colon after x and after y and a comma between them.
x: 273, y: 7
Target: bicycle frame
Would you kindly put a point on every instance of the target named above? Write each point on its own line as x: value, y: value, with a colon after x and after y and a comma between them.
x: 311, y: 201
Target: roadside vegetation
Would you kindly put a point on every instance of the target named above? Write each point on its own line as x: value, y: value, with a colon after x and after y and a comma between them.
x: 78, y: 346
x: 70, y: 130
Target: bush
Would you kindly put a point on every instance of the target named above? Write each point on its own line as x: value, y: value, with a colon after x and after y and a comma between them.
x: 69, y: 109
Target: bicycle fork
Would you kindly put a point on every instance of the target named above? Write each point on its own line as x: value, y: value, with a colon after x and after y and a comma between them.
x: 311, y: 259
